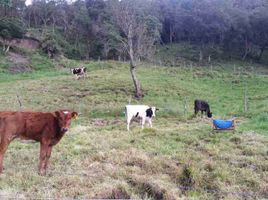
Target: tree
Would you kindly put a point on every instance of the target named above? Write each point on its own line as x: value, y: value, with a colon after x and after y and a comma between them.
x: 139, y: 31
x: 10, y: 28
x: 4, y: 6
x: 259, y: 23
x: 130, y: 28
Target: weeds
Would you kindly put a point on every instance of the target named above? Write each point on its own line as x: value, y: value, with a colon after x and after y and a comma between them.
x: 98, y: 158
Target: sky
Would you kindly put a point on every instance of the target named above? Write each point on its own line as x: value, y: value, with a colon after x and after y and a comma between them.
x: 29, y: 2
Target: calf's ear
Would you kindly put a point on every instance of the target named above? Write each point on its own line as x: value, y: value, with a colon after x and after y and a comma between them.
x: 74, y: 115
x: 57, y: 113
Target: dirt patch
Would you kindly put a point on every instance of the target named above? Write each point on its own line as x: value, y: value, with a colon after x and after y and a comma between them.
x: 201, y: 74
x: 19, y: 64
x: 121, y: 91
x: 149, y: 188
x: 113, y: 193
x: 15, y: 69
x: 104, y: 122
x: 26, y: 43
x: 81, y: 94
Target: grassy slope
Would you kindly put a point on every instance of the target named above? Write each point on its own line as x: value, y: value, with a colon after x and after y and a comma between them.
x: 98, y: 158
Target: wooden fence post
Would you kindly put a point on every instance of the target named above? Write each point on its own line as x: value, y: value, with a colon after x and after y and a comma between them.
x: 20, y: 104
x: 234, y: 69
x: 185, y: 106
x: 245, y: 100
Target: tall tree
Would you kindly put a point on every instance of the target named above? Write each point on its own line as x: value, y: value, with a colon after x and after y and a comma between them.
x: 140, y: 31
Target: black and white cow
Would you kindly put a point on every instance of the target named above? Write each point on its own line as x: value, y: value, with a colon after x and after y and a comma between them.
x: 142, y: 112
x: 201, y: 105
x: 79, y: 72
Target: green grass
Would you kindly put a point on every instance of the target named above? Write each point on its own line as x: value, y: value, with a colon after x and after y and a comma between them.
x: 98, y: 158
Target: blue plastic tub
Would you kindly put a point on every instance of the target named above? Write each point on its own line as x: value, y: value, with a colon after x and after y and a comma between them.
x: 223, y: 124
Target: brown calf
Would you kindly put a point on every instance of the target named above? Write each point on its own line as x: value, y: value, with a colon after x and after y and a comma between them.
x: 46, y: 128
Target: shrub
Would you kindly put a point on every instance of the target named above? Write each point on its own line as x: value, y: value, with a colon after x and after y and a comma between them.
x: 11, y: 28
x: 50, y: 46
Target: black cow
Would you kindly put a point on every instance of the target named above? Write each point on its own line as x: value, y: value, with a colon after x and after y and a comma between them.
x: 200, y: 105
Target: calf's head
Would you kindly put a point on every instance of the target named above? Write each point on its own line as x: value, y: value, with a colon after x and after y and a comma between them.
x: 64, y: 118
x: 150, y: 112
x: 209, y: 114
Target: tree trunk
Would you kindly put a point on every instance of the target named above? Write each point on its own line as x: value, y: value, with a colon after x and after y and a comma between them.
x: 7, y: 49
x: 247, y: 50
x: 35, y: 20
x: 138, y: 93
x: 261, y: 53
x: 170, y: 33
x: 200, y: 56
x: 53, y: 24
x: 5, y: 6
x: 133, y: 66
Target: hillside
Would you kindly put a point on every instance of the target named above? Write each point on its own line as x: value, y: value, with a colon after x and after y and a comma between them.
x: 179, y: 158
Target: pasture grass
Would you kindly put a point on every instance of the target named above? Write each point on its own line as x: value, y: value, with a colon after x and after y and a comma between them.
x: 179, y: 158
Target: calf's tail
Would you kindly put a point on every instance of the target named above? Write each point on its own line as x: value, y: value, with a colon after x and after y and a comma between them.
x: 125, y: 112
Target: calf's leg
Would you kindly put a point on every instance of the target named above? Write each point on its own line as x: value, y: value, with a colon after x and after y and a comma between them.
x: 48, y: 154
x: 4, y: 142
x: 195, y: 112
x: 3, y: 148
x: 150, y: 123
x: 142, y: 123
x: 128, y: 123
x: 44, y: 148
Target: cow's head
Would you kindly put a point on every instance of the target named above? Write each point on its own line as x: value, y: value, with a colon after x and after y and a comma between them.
x: 64, y: 118
x: 209, y: 114
x: 150, y: 112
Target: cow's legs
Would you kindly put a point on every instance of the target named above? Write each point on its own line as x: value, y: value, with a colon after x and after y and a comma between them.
x: 150, y: 123
x: 128, y: 123
x: 195, y: 112
x: 3, y: 147
x: 48, y: 154
x: 202, y: 113
x: 142, y: 123
x: 42, y: 158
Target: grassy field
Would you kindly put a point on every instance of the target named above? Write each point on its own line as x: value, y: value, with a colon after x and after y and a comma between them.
x: 180, y: 158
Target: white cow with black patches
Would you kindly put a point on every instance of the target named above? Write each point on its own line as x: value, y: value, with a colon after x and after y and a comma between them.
x: 143, y: 112
x: 79, y: 72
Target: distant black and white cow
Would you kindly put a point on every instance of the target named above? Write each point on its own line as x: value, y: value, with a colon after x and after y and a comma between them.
x: 79, y: 72
x: 142, y: 112
x: 200, y: 105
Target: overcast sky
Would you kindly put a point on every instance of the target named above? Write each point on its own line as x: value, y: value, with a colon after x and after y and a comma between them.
x: 29, y: 2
